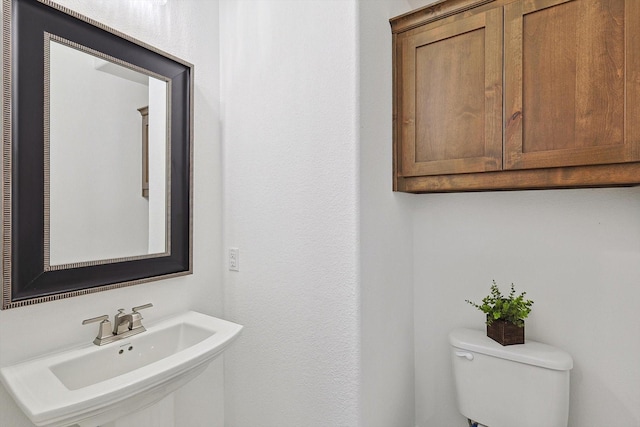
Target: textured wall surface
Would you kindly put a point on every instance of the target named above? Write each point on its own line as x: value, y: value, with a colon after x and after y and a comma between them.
x: 289, y: 108
x: 386, y: 242
x: 575, y: 252
x: 29, y: 331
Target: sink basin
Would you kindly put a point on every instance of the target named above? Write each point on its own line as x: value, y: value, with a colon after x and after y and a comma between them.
x: 93, y: 385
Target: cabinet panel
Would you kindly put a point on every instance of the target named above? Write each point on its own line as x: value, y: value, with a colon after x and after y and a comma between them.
x: 458, y: 110
x: 568, y: 82
x: 448, y: 127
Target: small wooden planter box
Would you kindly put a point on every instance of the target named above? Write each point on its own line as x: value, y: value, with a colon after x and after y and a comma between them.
x: 505, y: 333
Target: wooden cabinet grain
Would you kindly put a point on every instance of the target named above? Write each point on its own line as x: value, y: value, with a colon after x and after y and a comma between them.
x: 492, y: 95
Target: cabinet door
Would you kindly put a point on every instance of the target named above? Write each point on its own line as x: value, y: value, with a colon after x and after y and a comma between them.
x: 572, y: 83
x: 451, y: 98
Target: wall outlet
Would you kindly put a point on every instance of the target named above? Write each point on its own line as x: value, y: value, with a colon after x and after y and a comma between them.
x: 234, y: 259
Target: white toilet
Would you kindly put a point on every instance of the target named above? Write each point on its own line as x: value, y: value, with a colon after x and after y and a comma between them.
x: 525, y: 385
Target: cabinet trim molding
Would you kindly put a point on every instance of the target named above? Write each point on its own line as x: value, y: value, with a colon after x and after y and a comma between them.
x: 433, y: 12
x: 618, y: 175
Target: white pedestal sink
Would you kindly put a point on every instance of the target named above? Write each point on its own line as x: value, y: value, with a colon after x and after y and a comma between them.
x: 94, y: 385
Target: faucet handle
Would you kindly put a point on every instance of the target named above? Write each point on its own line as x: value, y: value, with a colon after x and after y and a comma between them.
x: 103, y: 318
x: 140, y: 307
x: 105, y: 328
x: 136, y: 318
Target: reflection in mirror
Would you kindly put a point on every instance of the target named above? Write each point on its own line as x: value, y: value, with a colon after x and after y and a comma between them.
x: 98, y: 150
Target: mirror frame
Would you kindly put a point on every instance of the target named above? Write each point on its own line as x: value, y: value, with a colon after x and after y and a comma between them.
x: 25, y: 280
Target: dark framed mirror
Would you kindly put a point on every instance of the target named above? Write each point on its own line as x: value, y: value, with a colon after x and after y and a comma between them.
x: 97, y: 157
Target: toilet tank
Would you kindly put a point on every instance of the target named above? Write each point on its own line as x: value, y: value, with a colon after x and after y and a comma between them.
x: 525, y: 385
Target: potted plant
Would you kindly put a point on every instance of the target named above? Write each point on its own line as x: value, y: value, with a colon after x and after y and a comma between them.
x: 505, y: 315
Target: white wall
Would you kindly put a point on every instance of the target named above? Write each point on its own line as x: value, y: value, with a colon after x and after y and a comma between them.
x: 575, y: 252
x: 290, y: 137
x: 187, y: 29
x: 386, y: 241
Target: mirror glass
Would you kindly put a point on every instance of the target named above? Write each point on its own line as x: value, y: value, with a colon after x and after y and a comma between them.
x: 107, y: 159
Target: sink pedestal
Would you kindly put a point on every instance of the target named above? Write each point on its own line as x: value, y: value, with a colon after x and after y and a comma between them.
x: 160, y: 414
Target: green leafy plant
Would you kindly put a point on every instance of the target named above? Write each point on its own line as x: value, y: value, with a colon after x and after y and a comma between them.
x: 513, y: 309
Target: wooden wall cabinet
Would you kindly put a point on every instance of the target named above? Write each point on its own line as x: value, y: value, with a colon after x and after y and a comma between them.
x: 503, y: 95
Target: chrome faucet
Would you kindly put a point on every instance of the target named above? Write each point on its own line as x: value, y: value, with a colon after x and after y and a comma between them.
x: 124, y: 325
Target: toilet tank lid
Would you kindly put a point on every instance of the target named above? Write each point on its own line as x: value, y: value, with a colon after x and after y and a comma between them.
x: 531, y: 352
